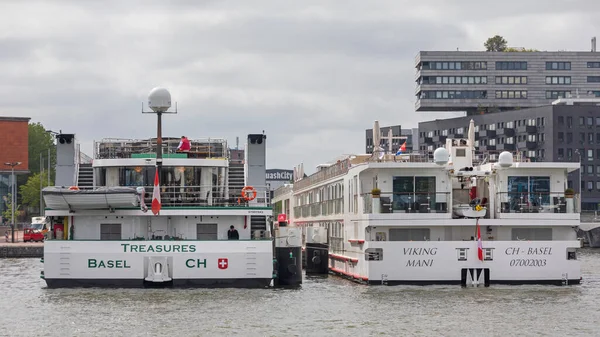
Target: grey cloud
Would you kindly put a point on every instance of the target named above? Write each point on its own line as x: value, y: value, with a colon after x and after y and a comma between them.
x: 312, y: 74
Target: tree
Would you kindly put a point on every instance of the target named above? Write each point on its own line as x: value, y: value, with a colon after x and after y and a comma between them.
x: 39, y: 142
x: 7, y: 214
x: 30, y: 192
x: 519, y: 50
x: 496, y: 43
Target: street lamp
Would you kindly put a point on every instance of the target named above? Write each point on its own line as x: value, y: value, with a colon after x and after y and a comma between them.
x: 14, y: 197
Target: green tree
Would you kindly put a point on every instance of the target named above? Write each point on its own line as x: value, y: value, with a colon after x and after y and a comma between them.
x: 519, y: 50
x: 30, y: 192
x: 496, y: 43
x: 7, y: 214
x: 39, y: 142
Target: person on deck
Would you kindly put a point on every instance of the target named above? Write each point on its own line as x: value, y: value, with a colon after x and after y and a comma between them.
x: 184, y: 145
x: 233, y: 234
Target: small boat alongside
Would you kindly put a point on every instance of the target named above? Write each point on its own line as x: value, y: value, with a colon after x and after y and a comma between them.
x: 62, y: 198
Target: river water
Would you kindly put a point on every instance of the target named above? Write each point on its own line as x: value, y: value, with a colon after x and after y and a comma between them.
x: 326, y: 306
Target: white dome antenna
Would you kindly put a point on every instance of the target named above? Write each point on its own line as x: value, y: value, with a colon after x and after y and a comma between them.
x: 159, y: 100
x: 441, y: 156
x: 505, y: 159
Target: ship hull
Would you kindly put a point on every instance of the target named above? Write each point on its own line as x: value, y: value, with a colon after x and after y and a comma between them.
x: 158, y: 263
x: 457, y: 262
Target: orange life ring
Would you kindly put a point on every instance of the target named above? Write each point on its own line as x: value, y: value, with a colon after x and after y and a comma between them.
x: 248, y: 193
x: 74, y: 188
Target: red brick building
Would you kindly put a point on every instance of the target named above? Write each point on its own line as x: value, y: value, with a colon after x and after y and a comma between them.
x: 14, y: 147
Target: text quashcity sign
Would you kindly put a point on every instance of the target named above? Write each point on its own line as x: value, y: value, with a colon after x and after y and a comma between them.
x: 279, y: 175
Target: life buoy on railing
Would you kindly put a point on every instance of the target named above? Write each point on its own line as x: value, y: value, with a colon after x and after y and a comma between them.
x: 248, y: 193
x: 74, y: 188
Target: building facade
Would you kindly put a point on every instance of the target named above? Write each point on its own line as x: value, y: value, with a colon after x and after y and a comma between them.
x: 397, y: 131
x: 14, y: 148
x: 549, y: 133
x: 479, y: 81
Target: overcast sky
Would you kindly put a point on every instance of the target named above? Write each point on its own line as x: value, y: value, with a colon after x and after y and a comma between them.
x: 312, y: 74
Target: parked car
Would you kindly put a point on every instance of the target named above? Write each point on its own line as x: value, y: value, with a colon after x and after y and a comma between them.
x: 33, y: 235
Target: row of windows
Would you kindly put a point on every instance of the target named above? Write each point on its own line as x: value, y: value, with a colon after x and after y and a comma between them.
x: 589, y: 121
x: 511, y: 79
x: 465, y: 94
x: 482, y: 94
x: 558, y: 65
x: 466, y: 65
x: 590, y: 139
x: 500, y: 65
x: 573, y: 154
x: 454, y: 80
x: 540, y: 121
x: 593, y: 79
x: 511, y: 94
x: 511, y: 65
x: 558, y: 79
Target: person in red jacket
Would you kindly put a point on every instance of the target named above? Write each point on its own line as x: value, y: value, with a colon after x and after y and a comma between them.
x: 184, y: 145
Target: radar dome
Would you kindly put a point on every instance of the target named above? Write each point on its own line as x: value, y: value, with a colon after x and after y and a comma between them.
x: 441, y: 156
x: 159, y: 99
x: 505, y: 159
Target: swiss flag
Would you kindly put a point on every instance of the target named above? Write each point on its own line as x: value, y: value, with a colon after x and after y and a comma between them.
x: 223, y: 263
x: 479, y: 246
x: 156, y: 195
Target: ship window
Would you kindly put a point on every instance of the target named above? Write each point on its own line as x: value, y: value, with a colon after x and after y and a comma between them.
x: 409, y: 234
x: 488, y: 254
x: 532, y: 234
x: 374, y: 254
x: 462, y: 254
x: 111, y: 231
x: 206, y: 231
x: 527, y: 194
x: 414, y: 194
x: 461, y: 152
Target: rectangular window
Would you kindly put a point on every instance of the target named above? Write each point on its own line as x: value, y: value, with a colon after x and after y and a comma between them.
x: 593, y: 64
x: 511, y: 79
x: 558, y: 65
x: 409, y: 234
x: 452, y: 94
x: 532, y: 234
x: 557, y: 94
x: 511, y: 65
x: 562, y: 80
x: 511, y: 94
x: 526, y: 191
x: 593, y: 79
x: 206, y: 231
x: 414, y: 194
x: 110, y: 231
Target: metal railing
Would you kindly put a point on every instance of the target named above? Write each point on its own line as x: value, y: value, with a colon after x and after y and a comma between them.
x: 408, y: 202
x: 328, y: 207
x: 114, y: 148
x: 204, y: 196
x: 537, y: 202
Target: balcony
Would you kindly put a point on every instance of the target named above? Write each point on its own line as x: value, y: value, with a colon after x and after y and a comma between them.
x: 487, y: 133
x: 132, y: 148
x: 316, y: 209
x: 531, y: 129
x: 542, y: 204
x: 441, y: 139
x: 506, y: 147
x: 419, y: 202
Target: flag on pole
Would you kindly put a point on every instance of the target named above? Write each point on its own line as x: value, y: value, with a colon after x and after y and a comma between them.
x: 479, y: 246
x: 401, y: 149
x: 156, y: 195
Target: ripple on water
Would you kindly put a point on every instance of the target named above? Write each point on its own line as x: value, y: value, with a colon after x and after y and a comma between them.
x: 323, y: 306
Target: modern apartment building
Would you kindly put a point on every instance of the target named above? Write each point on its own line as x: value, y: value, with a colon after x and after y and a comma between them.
x: 397, y: 131
x: 477, y: 81
x: 547, y: 133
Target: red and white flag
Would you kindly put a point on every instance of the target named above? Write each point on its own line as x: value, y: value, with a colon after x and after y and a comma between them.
x: 156, y: 195
x: 479, y: 246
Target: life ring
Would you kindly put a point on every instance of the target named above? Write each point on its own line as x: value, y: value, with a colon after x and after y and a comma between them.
x: 74, y: 188
x: 248, y: 193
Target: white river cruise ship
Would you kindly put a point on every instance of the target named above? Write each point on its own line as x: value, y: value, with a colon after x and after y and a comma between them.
x: 457, y: 218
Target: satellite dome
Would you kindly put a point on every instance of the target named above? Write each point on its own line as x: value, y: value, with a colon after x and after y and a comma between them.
x: 441, y: 156
x: 159, y: 99
x: 505, y: 159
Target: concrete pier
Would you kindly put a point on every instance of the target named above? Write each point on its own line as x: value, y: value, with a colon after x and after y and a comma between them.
x: 20, y: 249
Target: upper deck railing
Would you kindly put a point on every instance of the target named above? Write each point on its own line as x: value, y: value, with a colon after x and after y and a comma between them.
x: 116, y: 148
